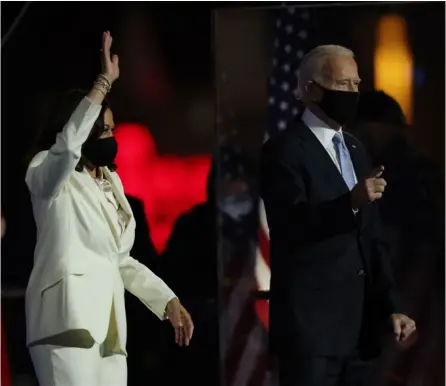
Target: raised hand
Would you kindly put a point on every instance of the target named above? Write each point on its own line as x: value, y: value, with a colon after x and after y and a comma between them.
x: 110, y: 63
x: 369, y: 189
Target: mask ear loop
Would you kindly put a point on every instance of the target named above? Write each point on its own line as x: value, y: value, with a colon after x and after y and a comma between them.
x: 296, y: 93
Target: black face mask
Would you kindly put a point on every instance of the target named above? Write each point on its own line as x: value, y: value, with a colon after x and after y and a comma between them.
x: 101, y: 151
x: 339, y: 105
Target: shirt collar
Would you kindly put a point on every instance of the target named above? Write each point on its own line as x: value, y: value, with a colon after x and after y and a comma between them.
x: 320, y: 129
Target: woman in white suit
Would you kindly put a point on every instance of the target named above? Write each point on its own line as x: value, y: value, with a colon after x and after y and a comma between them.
x: 76, y: 324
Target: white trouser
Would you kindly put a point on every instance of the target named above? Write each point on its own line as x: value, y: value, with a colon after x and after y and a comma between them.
x: 72, y: 366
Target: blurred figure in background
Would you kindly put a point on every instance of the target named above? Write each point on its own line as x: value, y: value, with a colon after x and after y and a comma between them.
x: 413, y: 214
x: 143, y: 249
x: 145, y: 347
x: 414, y: 220
x: 189, y: 266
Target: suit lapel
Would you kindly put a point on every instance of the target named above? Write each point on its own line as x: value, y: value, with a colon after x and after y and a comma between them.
x: 321, y: 159
x: 360, y: 165
x: 118, y: 193
x: 356, y: 157
x: 94, y: 191
x: 120, y: 197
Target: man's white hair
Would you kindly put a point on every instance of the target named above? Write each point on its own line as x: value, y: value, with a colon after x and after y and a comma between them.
x: 312, y: 64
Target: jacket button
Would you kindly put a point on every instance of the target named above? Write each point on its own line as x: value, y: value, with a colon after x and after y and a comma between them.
x: 361, y: 272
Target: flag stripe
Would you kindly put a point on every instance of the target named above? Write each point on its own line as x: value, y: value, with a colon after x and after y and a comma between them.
x: 290, y: 43
x: 262, y: 271
x: 246, y: 322
x: 263, y: 240
x: 239, y: 342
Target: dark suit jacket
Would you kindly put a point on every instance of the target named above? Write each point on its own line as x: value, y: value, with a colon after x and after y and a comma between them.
x: 331, y: 285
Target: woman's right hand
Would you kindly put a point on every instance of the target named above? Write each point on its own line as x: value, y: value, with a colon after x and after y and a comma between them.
x: 110, y: 64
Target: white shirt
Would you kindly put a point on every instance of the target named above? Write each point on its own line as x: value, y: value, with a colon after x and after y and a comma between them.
x: 324, y: 133
x: 120, y: 218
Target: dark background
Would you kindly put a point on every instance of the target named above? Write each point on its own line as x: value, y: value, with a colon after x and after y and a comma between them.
x: 55, y: 47
x: 167, y: 83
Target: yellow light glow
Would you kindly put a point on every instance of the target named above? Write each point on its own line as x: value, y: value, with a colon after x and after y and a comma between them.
x: 393, y: 62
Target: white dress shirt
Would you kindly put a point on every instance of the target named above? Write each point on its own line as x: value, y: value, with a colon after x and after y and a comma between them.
x: 324, y: 133
x: 119, y: 217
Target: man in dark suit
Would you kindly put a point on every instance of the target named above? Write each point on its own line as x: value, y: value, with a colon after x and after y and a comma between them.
x: 331, y: 287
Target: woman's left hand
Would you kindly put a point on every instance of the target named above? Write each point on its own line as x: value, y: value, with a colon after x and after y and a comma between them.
x: 181, y: 322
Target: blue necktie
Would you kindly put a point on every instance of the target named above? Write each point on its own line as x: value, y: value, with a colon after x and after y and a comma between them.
x: 345, y: 161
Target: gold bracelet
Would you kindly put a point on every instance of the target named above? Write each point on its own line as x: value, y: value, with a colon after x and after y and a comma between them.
x: 103, y: 84
x: 100, y: 89
x: 102, y: 76
x: 103, y: 81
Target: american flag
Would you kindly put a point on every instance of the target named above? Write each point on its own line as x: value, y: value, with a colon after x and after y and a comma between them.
x: 290, y: 45
x: 246, y: 354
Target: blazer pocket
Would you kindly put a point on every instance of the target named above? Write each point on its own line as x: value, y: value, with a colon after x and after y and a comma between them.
x: 54, y: 283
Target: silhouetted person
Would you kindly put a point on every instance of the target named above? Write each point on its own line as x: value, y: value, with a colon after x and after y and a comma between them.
x: 381, y: 125
x: 413, y: 216
x: 143, y: 340
x: 414, y: 220
x: 189, y: 265
x: 143, y: 248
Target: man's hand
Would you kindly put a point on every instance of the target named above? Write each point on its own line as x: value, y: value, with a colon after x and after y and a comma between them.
x: 403, y: 327
x: 181, y: 322
x: 368, y: 189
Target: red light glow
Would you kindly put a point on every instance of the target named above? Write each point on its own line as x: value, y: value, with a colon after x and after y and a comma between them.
x: 167, y: 185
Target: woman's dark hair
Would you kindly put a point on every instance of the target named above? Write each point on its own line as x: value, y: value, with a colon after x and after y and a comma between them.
x: 57, y: 118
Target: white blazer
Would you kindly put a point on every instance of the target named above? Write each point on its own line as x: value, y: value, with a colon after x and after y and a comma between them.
x: 81, y: 261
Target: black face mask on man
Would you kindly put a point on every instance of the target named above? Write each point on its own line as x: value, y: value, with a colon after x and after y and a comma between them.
x: 100, y: 151
x: 338, y: 105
